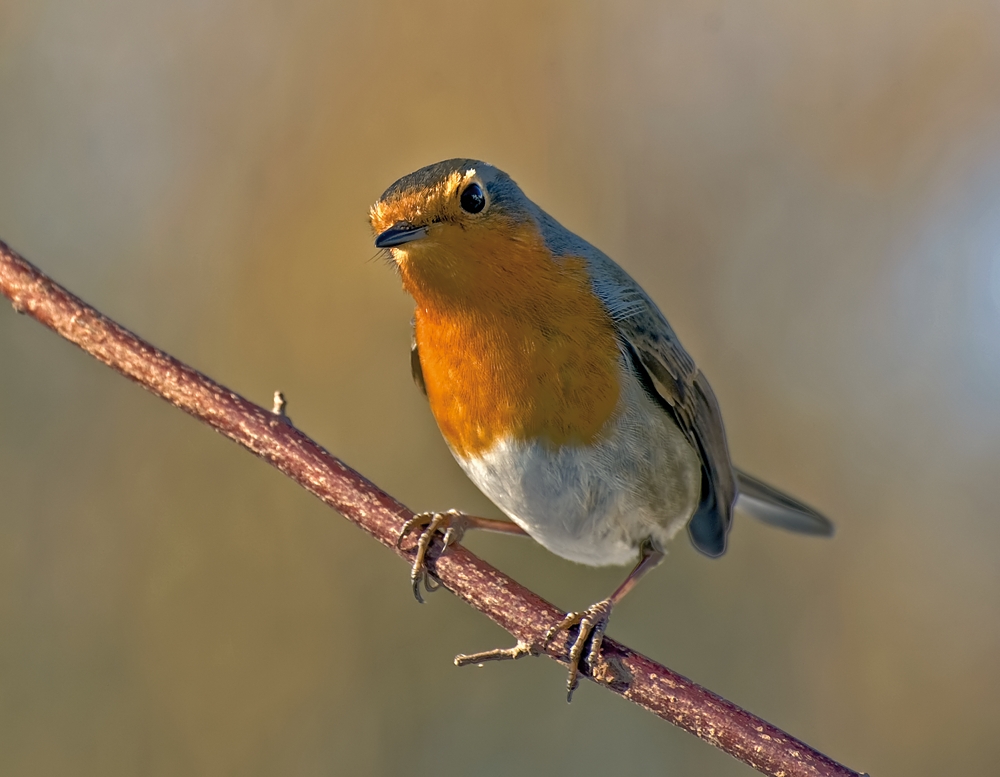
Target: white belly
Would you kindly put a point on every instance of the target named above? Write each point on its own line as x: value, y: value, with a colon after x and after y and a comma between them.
x: 595, y: 505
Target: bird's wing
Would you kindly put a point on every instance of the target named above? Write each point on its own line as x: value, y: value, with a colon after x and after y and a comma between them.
x: 415, y: 369
x: 671, y: 377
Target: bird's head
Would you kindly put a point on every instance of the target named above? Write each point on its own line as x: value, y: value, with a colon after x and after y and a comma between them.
x: 457, y: 226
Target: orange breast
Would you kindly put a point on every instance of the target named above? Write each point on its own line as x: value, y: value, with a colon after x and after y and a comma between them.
x: 512, y: 343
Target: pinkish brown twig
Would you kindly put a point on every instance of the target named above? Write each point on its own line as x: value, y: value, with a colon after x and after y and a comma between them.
x: 526, y: 616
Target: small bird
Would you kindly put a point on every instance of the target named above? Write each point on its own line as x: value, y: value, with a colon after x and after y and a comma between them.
x: 560, y: 389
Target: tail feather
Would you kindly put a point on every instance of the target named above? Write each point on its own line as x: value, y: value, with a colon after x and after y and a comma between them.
x: 768, y: 504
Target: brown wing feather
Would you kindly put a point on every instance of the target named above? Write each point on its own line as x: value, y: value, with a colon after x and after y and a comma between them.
x: 686, y: 395
x: 415, y: 369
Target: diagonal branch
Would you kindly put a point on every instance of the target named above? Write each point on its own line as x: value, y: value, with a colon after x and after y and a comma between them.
x: 516, y: 609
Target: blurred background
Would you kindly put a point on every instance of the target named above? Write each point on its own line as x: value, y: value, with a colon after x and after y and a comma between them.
x: 810, y: 191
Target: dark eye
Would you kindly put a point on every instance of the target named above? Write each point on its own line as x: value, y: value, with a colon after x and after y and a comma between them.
x: 473, y: 200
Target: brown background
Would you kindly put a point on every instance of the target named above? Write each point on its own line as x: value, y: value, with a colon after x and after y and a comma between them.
x: 811, y: 191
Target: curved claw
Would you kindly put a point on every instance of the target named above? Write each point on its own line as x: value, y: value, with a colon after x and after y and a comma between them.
x: 593, y: 623
x: 450, y: 524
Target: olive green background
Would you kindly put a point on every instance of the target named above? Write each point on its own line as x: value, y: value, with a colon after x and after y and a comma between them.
x: 811, y: 192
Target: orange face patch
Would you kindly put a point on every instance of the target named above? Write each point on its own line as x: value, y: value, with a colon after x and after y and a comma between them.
x: 513, y: 343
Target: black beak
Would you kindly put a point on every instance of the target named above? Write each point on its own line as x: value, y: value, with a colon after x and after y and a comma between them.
x: 399, y: 233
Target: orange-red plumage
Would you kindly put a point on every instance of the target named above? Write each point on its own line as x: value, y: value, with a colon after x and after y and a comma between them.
x: 513, y: 343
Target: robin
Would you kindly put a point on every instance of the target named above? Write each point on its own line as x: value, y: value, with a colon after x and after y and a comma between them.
x: 561, y: 390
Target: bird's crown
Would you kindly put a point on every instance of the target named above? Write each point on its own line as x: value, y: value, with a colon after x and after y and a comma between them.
x: 463, y: 192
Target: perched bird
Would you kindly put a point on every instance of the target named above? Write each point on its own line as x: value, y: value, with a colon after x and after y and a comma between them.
x: 560, y: 388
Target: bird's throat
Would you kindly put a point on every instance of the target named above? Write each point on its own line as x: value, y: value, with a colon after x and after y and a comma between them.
x: 539, y: 362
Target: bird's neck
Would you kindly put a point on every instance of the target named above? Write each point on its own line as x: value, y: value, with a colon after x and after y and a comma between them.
x: 534, y: 357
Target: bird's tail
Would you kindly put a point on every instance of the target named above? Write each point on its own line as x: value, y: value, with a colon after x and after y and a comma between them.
x: 768, y: 504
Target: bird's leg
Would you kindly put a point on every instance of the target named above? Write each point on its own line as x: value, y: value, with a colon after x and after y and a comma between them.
x: 453, y: 526
x: 594, y: 620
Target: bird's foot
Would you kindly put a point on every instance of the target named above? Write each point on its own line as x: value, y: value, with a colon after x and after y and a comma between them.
x: 451, y: 525
x: 592, y: 622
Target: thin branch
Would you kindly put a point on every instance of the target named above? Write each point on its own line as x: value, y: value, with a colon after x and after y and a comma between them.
x: 526, y: 616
